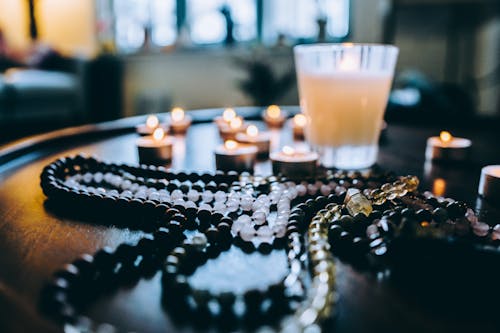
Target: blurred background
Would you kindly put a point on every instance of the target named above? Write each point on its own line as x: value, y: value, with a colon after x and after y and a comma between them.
x: 72, y: 62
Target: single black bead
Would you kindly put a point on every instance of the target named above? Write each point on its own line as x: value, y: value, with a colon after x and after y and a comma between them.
x: 85, y: 265
x: 216, y: 218
x: 346, y: 222
x: 175, y: 227
x: 212, y: 235
x: 408, y: 212
x: 439, y: 215
x: 126, y: 252
x: 146, y: 245
x: 104, y: 259
x: 265, y: 248
x: 423, y: 215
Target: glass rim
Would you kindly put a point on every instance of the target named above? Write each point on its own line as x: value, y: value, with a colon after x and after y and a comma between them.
x: 326, y: 46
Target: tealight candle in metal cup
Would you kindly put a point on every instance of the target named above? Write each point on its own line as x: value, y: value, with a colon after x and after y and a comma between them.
x: 152, y: 123
x: 229, y: 131
x: 252, y: 136
x: 299, y: 123
x: 274, y: 116
x: 228, y: 115
x: 179, y: 121
x: 489, y: 183
x: 234, y: 156
x: 445, y: 147
x: 155, y: 149
x: 294, y: 164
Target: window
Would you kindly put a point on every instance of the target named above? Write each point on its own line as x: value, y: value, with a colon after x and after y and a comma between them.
x: 134, y: 17
x: 208, y: 25
x: 205, y: 21
x: 297, y: 19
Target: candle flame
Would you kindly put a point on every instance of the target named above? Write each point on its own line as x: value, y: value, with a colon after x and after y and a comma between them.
x: 228, y: 115
x: 273, y: 111
x: 236, y: 123
x: 152, y: 122
x: 287, y: 150
x: 439, y: 187
x: 252, y: 131
x: 231, y: 144
x: 300, y: 120
x: 177, y: 114
x: 158, y: 134
x: 445, y: 136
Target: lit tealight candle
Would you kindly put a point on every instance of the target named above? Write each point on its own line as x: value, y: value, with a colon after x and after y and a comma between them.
x: 274, y: 116
x: 299, y: 123
x: 229, y: 131
x: 294, y: 164
x: 179, y: 120
x: 155, y: 149
x: 447, y: 147
x: 252, y: 136
x: 228, y: 115
x: 152, y: 123
x: 234, y: 156
x: 489, y: 183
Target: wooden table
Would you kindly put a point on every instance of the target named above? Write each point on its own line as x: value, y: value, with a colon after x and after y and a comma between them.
x: 34, y: 241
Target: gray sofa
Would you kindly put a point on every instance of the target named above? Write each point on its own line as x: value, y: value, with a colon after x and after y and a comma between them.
x: 32, y: 95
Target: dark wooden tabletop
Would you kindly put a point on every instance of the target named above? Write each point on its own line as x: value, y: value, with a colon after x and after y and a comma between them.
x: 35, y: 241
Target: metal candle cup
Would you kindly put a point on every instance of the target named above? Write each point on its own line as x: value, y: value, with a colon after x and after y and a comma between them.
x: 445, y: 147
x: 489, y: 183
x: 293, y: 164
x: 274, y: 116
x: 228, y: 115
x: 299, y: 122
x: 152, y: 123
x: 252, y: 137
x: 179, y: 121
x: 232, y: 156
x: 155, y: 149
x: 229, y: 131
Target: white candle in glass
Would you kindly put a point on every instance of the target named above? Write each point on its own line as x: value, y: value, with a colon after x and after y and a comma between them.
x: 343, y: 91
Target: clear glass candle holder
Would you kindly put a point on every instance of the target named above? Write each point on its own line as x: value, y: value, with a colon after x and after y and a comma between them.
x: 343, y: 91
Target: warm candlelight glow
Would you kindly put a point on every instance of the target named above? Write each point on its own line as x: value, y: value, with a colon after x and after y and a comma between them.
x: 348, y: 64
x: 439, y: 187
x: 230, y: 144
x: 236, y: 123
x: 287, y: 150
x: 228, y: 115
x: 252, y: 131
x: 158, y: 134
x: 177, y: 114
x: 300, y: 120
x: 445, y: 136
x: 273, y: 111
x: 152, y: 122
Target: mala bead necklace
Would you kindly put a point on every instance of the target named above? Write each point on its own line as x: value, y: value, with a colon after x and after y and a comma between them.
x: 85, y: 180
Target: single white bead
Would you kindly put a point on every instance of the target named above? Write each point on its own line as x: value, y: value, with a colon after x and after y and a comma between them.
x: 247, y: 233
x: 207, y: 196
x: 325, y: 190
x: 220, y: 196
x: 301, y: 190
x: 193, y: 195
x: 176, y: 194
